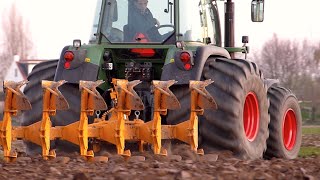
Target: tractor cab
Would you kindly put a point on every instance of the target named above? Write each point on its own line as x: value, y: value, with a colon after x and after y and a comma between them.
x: 157, y: 22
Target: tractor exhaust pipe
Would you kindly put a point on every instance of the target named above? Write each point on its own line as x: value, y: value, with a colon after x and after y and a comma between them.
x: 229, y: 25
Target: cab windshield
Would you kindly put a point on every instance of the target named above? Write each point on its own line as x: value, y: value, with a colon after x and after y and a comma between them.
x: 199, y: 20
x: 137, y: 21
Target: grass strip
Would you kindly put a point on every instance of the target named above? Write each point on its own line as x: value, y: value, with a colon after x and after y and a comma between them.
x: 309, y: 151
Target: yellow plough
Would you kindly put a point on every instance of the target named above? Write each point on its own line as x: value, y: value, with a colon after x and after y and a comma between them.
x: 113, y: 127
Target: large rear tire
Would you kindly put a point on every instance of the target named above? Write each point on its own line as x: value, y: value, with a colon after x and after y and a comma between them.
x: 240, y: 123
x: 33, y: 90
x: 285, y: 125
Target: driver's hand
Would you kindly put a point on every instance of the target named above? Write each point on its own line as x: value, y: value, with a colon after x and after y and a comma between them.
x: 157, y: 22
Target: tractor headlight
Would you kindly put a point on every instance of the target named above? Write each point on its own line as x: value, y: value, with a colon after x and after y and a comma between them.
x: 180, y: 44
x: 77, y: 43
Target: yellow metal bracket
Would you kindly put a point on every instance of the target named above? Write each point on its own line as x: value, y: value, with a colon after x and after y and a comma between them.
x: 164, y: 99
x: 125, y: 100
x: 187, y: 131
x: 39, y: 132
x: 116, y: 129
x: 78, y: 132
x: 15, y: 101
x: 52, y: 100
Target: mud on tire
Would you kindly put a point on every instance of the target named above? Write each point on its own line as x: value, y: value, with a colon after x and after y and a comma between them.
x: 285, y: 124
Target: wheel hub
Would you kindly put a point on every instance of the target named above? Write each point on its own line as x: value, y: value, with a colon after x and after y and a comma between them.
x: 289, y: 129
x: 251, y: 116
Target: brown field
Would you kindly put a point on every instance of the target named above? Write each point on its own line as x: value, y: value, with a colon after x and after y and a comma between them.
x: 183, y: 165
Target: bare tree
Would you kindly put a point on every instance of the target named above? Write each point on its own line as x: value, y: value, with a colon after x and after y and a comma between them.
x: 289, y: 61
x: 296, y: 65
x: 16, y: 39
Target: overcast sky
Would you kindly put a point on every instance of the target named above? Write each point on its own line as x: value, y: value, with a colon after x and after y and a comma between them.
x: 55, y: 23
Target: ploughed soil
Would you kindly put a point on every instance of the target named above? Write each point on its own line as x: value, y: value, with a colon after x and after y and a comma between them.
x: 180, y: 164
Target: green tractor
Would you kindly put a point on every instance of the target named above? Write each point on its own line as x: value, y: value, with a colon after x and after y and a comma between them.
x: 177, y: 40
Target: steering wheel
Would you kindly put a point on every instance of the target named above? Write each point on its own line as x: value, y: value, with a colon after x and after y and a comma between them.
x: 155, y: 35
x: 167, y: 34
x: 164, y: 26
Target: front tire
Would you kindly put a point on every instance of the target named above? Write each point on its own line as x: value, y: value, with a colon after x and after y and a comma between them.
x: 285, y: 126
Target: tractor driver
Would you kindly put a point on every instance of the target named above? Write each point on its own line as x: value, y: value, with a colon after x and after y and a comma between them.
x: 141, y: 21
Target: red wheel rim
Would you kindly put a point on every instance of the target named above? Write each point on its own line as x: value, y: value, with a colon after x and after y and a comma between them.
x: 251, y: 116
x: 289, y: 129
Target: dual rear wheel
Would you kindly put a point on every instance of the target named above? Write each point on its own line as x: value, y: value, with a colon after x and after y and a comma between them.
x: 285, y: 126
x: 242, y: 122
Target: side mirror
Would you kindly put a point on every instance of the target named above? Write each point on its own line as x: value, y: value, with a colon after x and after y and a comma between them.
x: 245, y: 39
x: 257, y: 10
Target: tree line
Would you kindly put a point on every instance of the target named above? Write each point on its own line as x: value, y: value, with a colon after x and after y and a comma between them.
x: 297, y: 65
x: 15, y: 39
